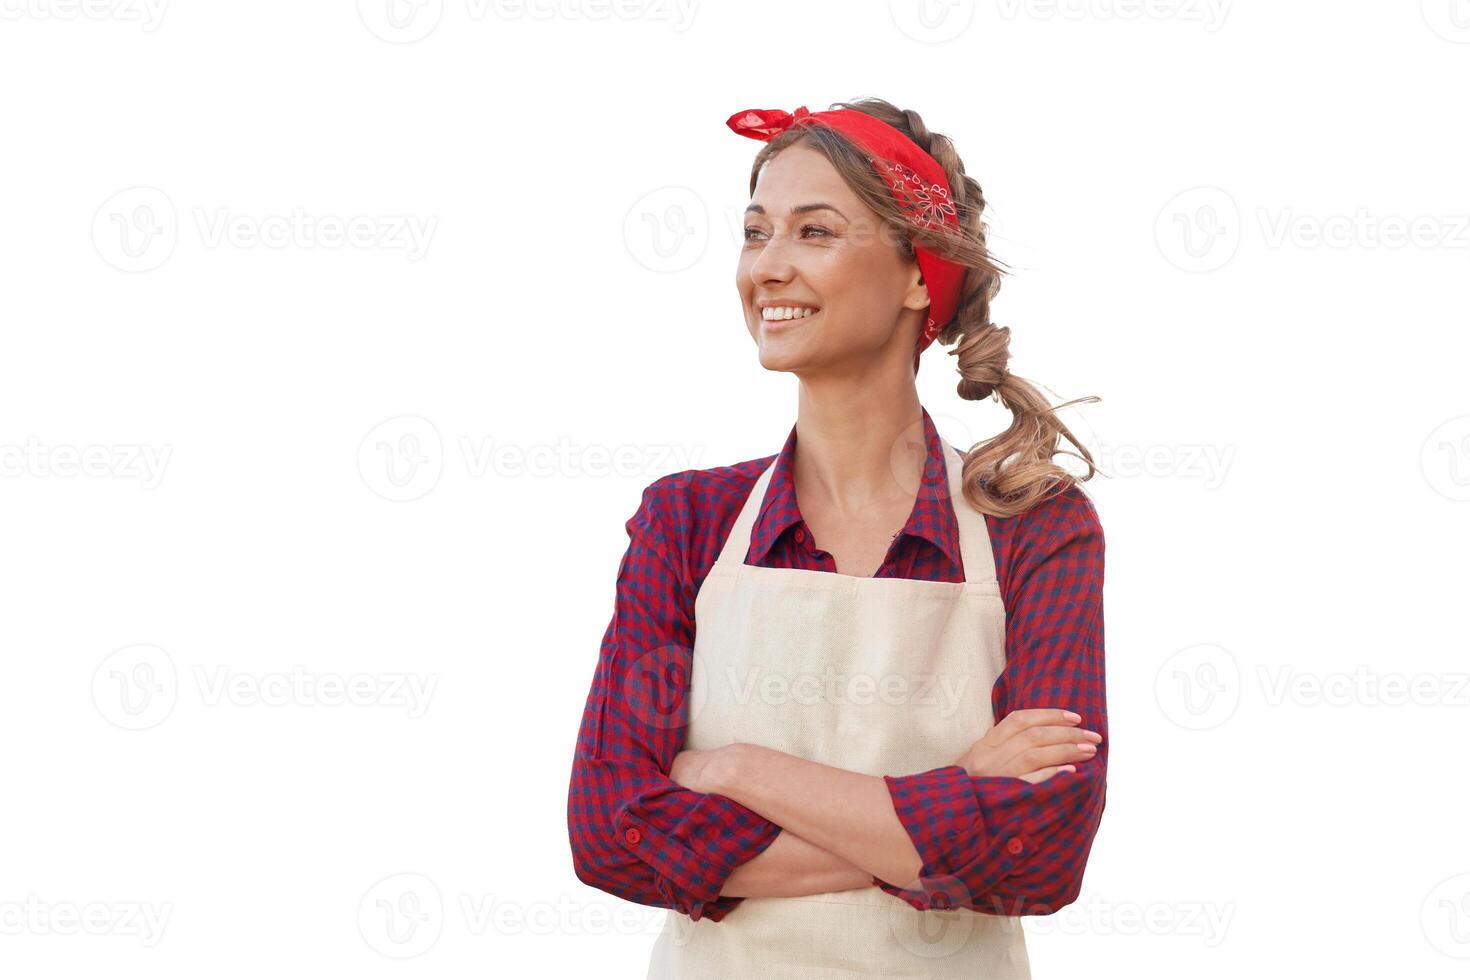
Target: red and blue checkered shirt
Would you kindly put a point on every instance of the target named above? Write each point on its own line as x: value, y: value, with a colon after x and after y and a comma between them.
x: 1003, y: 845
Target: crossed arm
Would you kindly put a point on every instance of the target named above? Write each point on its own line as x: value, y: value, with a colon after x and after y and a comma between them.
x: 761, y: 822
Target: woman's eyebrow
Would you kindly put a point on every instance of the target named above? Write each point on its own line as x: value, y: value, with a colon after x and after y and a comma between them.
x: 798, y: 209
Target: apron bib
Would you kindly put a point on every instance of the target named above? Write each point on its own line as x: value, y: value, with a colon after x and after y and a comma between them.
x: 876, y: 675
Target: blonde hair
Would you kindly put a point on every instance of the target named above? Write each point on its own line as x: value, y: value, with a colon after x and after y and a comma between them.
x: 1011, y: 472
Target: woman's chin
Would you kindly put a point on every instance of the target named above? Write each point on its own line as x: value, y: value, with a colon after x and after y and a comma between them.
x: 780, y: 355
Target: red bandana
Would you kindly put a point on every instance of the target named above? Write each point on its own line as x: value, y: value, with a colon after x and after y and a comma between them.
x: 915, y: 179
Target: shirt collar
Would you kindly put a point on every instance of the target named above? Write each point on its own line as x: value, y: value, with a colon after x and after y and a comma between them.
x: 932, y: 518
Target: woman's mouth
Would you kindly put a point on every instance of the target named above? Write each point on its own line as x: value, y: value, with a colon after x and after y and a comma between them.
x: 782, y: 317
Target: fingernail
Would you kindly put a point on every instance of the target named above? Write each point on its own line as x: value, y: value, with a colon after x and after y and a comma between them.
x: 1087, y: 746
x: 1072, y: 716
x: 1067, y: 769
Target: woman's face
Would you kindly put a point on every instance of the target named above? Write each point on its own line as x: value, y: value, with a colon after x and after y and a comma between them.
x: 837, y: 258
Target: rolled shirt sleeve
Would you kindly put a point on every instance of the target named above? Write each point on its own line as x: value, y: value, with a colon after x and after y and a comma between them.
x: 635, y: 832
x: 1000, y: 844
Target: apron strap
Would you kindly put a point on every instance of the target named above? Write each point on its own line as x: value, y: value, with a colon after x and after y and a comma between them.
x: 737, y: 543
x: 975, y: 551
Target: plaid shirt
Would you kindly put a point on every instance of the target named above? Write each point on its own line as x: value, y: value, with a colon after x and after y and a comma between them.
x: 995, y: 844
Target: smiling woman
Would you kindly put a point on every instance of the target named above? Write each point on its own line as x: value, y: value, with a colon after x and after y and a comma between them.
x: 864, y: 757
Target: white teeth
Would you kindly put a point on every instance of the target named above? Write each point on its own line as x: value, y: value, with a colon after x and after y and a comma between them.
x: 785, y: 312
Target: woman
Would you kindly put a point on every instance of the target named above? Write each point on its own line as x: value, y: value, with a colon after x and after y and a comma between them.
x: 852, y: 694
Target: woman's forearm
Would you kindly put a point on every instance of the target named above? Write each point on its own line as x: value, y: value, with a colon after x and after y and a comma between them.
x: 847, y: 813
x: 792, y: 866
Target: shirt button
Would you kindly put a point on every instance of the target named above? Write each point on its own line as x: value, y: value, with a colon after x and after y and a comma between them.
x: 1015, y: 846
x: 632, y: 835
x: 800, y: 534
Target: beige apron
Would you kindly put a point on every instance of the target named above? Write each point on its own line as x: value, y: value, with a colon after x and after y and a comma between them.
x: 877, y: 675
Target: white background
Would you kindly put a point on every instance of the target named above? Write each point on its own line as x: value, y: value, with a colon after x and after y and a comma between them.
x: 239, y: 451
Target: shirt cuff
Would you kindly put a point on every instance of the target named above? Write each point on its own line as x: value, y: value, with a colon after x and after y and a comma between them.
x: 961, y: 856
x: 693, y: 862
x: 939, y: 810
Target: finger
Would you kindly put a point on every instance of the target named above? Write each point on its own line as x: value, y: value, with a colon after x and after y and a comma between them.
x: 1021, y: 752
x: 1053, y: 755
x: 1040, y: 775
x: 1023, y: 718
x: 1055, y: 734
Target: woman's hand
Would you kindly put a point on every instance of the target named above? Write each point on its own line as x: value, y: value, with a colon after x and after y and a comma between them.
x: 697, y: 769
x: 1031, y: 743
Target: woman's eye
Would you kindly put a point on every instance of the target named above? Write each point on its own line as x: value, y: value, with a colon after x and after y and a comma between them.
x: 751, y: 232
